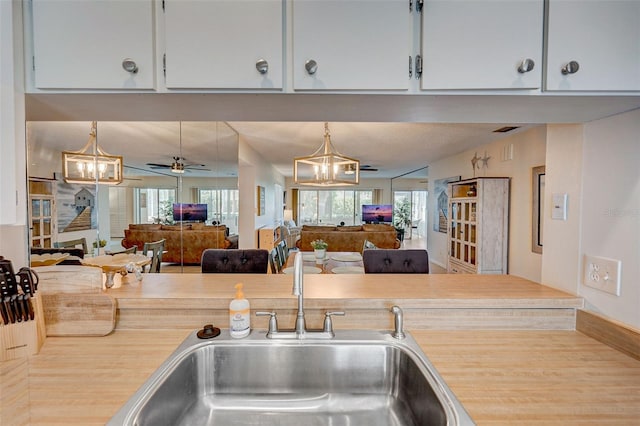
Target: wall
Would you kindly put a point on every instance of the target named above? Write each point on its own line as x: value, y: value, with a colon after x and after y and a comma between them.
x: 528, y: 152
x: 253, y: 171
x: 610, y: 225
x: 13, y: 186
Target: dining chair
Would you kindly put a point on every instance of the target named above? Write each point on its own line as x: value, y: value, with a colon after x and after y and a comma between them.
x: 413, y: 261
x: 73, y: 243
x: 274, y: 261
x: 232, y: 261
x: 156, y: 248
x: 283, y: 251
x: 130, y: 250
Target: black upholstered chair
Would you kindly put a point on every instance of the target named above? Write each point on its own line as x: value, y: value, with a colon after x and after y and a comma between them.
x: 395, y: 261
x: 231, y: 261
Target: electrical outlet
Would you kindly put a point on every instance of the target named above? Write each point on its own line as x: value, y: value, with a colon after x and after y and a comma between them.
x: 602, y: 273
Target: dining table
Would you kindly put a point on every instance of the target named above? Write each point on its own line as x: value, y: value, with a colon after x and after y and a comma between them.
x: 333, y: 262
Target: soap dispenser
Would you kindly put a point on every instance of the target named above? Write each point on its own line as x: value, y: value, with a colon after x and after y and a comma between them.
x: 239, y: 314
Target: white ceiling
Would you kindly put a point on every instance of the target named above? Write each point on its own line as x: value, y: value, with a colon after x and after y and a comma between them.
x: 394, y: 133
x: 392, y: 148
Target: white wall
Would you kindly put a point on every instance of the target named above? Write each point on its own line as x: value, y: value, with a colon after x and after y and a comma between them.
x: 254, y: 172
x: 528, y: 152
x: 611, y: 210
x: 560, y: 256
x: 13, y: 186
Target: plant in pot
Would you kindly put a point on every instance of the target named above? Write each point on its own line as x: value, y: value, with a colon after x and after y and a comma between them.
x: 402, y: 217
x: 319, y: 249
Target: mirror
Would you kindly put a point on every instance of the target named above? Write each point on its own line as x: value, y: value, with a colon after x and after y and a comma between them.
x: 205, y: 152
x: 410, y: 212
x: 537, y: 214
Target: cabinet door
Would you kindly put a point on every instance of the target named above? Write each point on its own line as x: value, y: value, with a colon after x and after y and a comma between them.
x: 602, y: 37
x: 82, y: 44
x: 480, y: 44
x: 219, y: 43
x: 355, y: 45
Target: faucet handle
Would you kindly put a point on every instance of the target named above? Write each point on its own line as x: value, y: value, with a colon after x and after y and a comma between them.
x: 273, y: 320
x: 328, y: 324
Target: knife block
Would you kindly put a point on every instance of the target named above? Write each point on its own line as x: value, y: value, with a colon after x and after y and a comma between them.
x: 23, y: 339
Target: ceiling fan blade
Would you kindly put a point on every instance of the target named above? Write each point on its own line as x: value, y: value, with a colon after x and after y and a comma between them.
x: 367, y: 169
x: 157, y: 165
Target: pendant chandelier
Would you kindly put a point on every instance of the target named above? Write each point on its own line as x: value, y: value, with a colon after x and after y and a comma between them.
x: 91, y: 164
x: 326, y: 167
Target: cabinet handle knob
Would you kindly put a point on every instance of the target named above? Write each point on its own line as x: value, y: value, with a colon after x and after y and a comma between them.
x: 129, y: 65
x: 570, y: 68
x: 262, y: 66
x: 526, y: 65
x: 311, y: 66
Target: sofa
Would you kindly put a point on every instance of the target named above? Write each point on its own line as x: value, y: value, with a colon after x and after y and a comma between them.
x: 349, y: 238
x: 192, y: 239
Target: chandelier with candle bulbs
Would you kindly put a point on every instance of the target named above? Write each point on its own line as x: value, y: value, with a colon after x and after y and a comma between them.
x: 92, y: 164
x: 326, y: 166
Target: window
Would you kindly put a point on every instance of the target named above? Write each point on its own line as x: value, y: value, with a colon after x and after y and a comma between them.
x: 222, y: 206
x: 154, y: 205
x: 332, y: 206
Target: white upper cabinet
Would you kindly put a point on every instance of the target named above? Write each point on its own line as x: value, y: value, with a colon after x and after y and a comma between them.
x: 593, y: 45
x: 482, y: 44
x: 88, y: 44
x: 351, y: 44
x: 224, y: 44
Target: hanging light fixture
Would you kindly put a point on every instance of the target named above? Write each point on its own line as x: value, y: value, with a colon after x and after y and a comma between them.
x: 326, y: 167
x: 91, y: 164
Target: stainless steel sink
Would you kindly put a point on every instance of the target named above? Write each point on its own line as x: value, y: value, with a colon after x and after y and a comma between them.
x: 361, y: 377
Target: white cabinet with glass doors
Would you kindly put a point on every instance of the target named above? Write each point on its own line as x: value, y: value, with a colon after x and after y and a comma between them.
x: 478, y: 226
x: 42, y: 212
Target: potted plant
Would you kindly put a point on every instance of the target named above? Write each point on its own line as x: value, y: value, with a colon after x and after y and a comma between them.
x: 402, y: 217
x: 320, y: 249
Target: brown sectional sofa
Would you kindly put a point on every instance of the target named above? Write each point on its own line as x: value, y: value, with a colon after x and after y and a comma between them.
x: 349, y: 238
x: 196, y: 237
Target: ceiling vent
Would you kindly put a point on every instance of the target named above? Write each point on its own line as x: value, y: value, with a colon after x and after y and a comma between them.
x: 506, y: 129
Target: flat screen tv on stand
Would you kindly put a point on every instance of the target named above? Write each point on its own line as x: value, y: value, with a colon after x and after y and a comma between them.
x: 186, y: 212
x: 377, y: 213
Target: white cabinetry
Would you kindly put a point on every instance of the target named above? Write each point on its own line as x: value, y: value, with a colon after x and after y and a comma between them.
x: 82, y: 44
x: 593, y: 45
x: 220, y: 44
x: 478, y: 226
x: 351, y: 45
x: 475, y: 44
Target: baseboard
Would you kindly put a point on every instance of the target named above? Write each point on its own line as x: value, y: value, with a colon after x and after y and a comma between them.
x: 619, y: 336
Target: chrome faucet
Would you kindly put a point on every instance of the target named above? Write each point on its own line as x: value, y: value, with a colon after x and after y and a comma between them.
x: 298, y: 290
x: 300, y: 331
x: 398, y: 333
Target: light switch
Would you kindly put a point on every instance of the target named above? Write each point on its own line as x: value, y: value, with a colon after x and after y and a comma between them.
x: 559, y: 207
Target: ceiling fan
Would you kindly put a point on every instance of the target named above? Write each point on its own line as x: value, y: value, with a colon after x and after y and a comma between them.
x: 178, y: 166
x: 367, y: 168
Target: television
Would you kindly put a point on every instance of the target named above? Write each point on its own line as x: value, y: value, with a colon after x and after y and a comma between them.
x: 377, y: 213
x: 185, y: 212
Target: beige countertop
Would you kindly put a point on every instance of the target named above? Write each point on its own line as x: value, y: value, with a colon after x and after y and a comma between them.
x: 501, y: 376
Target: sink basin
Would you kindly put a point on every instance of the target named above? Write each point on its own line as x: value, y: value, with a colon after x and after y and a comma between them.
x: 361, y: 377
